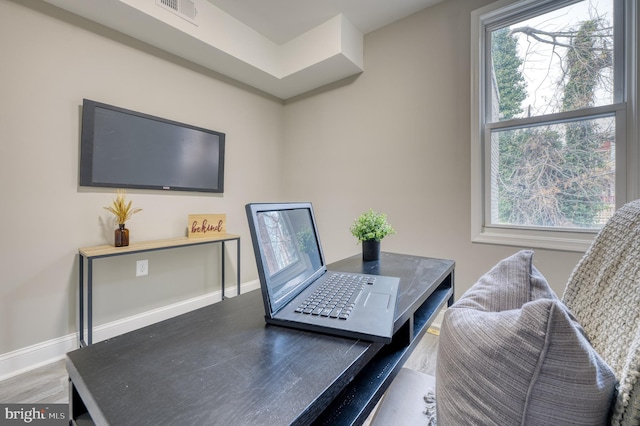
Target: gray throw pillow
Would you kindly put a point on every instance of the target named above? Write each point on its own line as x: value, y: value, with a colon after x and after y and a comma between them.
x: 510, y: 353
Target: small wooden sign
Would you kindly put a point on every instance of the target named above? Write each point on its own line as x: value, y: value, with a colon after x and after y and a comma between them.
x: 206, y: 225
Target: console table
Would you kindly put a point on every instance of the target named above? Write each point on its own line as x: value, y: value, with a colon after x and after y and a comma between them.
x: 89, y: 254
x: 221, y: 364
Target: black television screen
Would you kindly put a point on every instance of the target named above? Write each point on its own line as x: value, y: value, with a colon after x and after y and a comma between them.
x: 120, y: 148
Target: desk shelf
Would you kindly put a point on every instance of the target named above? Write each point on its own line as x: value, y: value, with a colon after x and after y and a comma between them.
x: 354, y: 404
x: 89, y: 254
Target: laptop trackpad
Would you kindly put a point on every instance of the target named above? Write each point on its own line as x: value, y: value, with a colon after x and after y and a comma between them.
x: 377, y: 301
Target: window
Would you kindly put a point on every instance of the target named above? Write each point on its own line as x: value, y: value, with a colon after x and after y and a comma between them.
x: 554, y: 119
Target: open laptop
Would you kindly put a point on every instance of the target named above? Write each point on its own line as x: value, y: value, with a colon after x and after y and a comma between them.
x: 292, y: 268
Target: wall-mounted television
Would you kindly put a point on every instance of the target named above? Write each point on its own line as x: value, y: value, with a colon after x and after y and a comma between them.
x: 120, y: 148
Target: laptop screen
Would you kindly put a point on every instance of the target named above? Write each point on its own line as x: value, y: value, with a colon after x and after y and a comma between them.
x: 286, y: 242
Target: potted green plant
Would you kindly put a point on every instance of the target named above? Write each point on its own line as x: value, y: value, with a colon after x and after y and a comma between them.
x: 369, y: 228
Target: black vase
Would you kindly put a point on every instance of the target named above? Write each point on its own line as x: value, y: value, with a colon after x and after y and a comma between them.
x: 371, y: 250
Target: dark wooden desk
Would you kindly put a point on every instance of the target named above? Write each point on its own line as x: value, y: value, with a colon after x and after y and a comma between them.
x: 222, y: 364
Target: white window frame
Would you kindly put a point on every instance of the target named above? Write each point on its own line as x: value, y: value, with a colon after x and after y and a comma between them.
x: 627, y: 134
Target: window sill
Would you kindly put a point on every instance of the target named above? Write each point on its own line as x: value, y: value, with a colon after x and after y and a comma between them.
x: 562, y: 241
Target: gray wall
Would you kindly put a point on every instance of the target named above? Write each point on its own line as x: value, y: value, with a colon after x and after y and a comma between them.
x: 396, y: 139
x: 51, y: 60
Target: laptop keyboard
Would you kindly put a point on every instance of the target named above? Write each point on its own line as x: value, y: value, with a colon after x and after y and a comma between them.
x: 336, y: 297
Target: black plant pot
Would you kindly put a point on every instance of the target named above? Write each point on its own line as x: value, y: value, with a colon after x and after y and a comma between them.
x: 371, y: 250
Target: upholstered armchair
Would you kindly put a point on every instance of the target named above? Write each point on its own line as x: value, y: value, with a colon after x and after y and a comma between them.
x: 511, y: 352
x: 603, y: 293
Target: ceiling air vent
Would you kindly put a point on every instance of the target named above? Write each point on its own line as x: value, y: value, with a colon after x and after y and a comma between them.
x: 185, y: 9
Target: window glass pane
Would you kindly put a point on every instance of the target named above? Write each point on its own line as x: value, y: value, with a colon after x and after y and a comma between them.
x: 559, y: 61
x: 556, y: 175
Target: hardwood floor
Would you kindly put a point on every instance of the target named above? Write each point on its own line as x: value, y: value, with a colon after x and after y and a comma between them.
x: 423, y: 357
x: 49, y: 384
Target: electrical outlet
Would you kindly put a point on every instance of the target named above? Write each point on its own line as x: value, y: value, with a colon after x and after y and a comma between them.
x: 142, y: 267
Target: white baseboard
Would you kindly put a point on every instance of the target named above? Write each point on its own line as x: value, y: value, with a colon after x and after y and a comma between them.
x: 34, y: 356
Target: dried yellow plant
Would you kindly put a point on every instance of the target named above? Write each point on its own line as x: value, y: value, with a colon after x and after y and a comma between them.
x: 121, y: 209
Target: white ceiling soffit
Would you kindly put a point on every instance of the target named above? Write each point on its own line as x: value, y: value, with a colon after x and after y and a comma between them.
x: 283, y: 20
x: 327, y: 53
